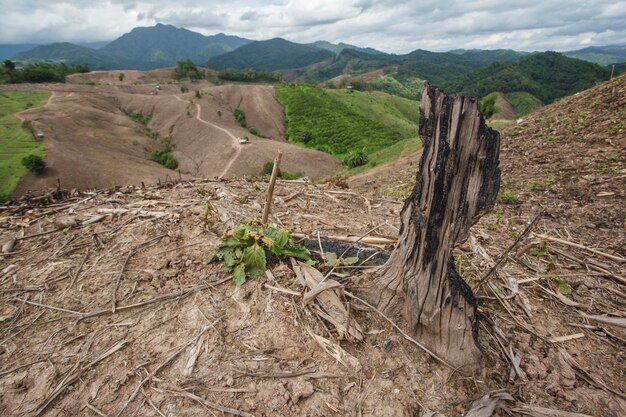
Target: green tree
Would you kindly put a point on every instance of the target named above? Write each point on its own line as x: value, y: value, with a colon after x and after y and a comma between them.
x: 186, y: 69
x: 121, y: 76
x: 34, y: 163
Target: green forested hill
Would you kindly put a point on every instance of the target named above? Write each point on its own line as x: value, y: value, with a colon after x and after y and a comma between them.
x: 397, y: 113
x: 546, y: 75
x: 339, y: 122
x: 602, y: 55
x: 337, y: 48
x: 67, y: 53
x: 142, y: 48
x: 271, y: 55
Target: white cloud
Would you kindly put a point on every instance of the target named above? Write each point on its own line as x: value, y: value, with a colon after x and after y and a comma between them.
x: 397, y: 26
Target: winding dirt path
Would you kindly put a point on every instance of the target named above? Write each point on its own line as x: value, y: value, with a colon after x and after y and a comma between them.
x: 48, y: 102
x: 235, y: 141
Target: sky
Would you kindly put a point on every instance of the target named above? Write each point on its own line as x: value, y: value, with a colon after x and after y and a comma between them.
x: 387, y: 25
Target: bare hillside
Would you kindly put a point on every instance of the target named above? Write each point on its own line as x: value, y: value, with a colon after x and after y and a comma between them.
x: 91, y: 143
x: 109, y: 307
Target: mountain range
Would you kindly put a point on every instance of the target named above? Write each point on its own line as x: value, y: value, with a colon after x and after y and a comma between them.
x: 539, y: 77
x: 162, y: 45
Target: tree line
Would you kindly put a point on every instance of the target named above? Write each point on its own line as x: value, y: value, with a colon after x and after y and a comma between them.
x: 39, y: 72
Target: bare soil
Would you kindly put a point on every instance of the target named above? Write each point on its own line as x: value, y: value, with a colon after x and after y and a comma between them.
x: 90, y: 142
x: 125, y: 317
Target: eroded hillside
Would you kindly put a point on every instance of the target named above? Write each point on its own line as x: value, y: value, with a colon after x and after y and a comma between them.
x: 91, y: 142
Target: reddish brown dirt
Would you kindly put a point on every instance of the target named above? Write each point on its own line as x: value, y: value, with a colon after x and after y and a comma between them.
x: 160, y: 76
x: 255, y: 352
x: 91, y: 143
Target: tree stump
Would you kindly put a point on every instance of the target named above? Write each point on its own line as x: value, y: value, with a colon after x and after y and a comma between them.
x: 457, y: 181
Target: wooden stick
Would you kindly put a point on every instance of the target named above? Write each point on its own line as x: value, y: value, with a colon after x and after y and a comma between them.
x: 579, y: 246
x: 270, y: 190
x: 117, y: 282
x: 209, y: 404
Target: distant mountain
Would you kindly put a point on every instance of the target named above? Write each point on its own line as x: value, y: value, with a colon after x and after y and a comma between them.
x: 349, y: 61
x: 603, y: 55
x: 8, y: 51
x: 163, y: 45
x: 339, y: 47
x: 489, y: 56
x: 271, y: 55
x: 546, y: 75
x: 67, y: 53
x: 143, y: 48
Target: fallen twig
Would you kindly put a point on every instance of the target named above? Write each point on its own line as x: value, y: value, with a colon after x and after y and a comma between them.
x: 210, y: 404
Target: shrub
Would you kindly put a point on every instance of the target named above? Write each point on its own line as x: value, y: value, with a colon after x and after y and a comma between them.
x: 186, y: 69
x: 356, y: 159
x: 245, y: 250
x: 268, y: 167
x: 34, y: 163
x: 164, y: 158
x: 121, y: 76
x: 198, y: 94
x: 240, y: 116
x: 488, y: 106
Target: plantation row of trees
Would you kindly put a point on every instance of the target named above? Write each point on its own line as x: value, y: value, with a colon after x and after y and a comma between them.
x: 249, y: 75
x: 39, y: 72
x: 321, y: 122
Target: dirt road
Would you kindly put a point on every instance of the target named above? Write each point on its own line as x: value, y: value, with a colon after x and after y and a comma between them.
x: 235, y: 141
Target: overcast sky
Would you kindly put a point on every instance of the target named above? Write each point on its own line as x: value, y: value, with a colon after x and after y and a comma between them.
x: 387, y: 25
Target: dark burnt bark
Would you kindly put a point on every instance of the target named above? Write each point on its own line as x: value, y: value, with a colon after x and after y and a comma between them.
x: 457, y: 181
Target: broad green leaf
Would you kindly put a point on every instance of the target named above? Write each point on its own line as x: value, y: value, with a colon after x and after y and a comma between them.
x: 229, y: 259
x: 254, y: 257
x: 239, y: 274
x: 297, y: 251
x: 230, y: 242
x: 268, y: 241
x: 282, y: 238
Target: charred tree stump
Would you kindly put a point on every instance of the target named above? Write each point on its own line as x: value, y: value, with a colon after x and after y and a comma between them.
x: 457, y: 181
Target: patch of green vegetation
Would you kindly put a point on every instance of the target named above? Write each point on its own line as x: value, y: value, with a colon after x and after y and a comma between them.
x: 38, y: 72
x: 487, y: 105
x: 543, y: 250
x: 187, y: 70
x: 16, y: 138
x: 388, y: 154
x: 34, y: 163
x: 249, y: 75
x: 546, y: 75
x: 268, y: 167
x: 506, y: 197
x: 316, y: 119
x: 356, y: 159
x: 613, y: 157
x: 541, y: 185
x: 397, y: 113
x: 523, y: 102
x: 139, y: 117
x: 164, y: 155
x: 245, y: 250
x: 618, y: 127
x: 411, y: 88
